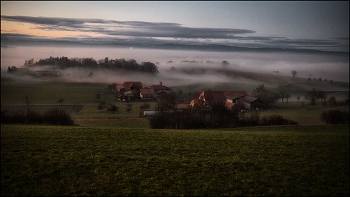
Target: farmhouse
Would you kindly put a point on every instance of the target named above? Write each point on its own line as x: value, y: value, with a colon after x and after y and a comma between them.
x: 147, y: 94
x: 160, y: 88
x: 129, y: 90
x: 129, y: 85
x: 229, y: 99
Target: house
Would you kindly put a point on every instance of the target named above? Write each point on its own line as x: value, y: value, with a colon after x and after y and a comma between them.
x: 132, y: 85
x: 183, y: 106
x: 251, y: 102
x: 196, y: 103
x: 129, y: 90
x: 229, y: 99
x: 147, y: 94
x: 210, y: 98
x: 160, y: 88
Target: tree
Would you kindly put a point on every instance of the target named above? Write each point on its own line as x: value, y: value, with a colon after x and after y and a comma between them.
x: 287, y: 97
x: 166, y: 102
x: 128, y: 107
x: 298, y: 97
x: 113, y: 108
x: 321, y: 95
x: 311, y: 96
x: 264, y: 95
x: 28, y: 103
x: 294, y: 73
x: 332, y: 101
x: 282, y: 95
x: 97, y: 96
x: 60, y: 101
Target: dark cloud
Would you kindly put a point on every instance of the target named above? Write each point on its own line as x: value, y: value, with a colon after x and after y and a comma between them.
x: 165, y: 34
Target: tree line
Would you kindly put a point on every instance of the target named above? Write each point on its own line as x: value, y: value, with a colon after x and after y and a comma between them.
x: 91, y: 63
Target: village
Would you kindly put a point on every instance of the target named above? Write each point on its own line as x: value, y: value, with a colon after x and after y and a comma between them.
x: 133, y: 91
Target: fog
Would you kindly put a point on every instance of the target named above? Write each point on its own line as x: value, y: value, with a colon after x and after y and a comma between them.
x: 331, y: 67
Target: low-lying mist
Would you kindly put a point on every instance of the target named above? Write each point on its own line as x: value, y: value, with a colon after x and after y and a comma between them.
x: 191, y: 67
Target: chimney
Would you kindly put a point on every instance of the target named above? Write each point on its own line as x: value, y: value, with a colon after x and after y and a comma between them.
x: 160, y: 83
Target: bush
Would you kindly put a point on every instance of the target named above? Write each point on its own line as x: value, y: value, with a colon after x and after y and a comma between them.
x: 276, y: 120
x: 56, y: 116
x: 250, y: 121
x: 335, y: 116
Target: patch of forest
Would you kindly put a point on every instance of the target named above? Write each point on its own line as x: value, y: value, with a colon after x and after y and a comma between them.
x: 91, y: 63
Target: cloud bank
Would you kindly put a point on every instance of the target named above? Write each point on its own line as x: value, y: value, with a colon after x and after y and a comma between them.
x: 164, y: 36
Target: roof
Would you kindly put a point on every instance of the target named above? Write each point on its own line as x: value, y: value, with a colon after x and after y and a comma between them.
x: 119, y: 87
x: 128, y: 84
x: 195, y: 102
x: 182, y: 106
x: 249, y: 99
x: 213, y: 96
x: 240, y: 92
x: 145, y: 91
x: 234, y: 96
x: 229, y: 105
x: 156, y: 88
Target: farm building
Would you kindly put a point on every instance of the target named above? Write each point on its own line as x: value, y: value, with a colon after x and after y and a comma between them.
x: 147, y: 94
x: 229, y: 99
x: 160, y: 88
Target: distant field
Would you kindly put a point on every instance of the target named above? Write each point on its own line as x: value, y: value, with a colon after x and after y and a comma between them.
x: 117, y: 154
x: 261, y: 161
x: 46, y: 94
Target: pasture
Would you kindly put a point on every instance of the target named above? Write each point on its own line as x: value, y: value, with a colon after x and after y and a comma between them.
x: 117, y: 154
x: 106, y: 161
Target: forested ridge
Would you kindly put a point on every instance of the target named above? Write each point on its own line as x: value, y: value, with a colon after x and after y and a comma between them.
x: 106, y: 63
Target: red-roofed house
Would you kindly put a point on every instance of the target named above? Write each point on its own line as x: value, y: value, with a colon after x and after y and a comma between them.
x: 160, y: 88
x: 147, y: 94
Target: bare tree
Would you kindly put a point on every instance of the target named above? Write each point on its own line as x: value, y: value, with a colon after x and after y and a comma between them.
x: 311, y: 96
x: 287, y: 97
x: 60, y: 100
x: 112, y: 108
x: 294, y: 73
x: 28, y: 103
x: 97, y: 97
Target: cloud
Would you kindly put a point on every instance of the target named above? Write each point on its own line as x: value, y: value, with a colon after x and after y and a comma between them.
x: 163, y: 35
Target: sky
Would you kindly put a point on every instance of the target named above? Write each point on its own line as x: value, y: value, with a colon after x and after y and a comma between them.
x: 298, y: 26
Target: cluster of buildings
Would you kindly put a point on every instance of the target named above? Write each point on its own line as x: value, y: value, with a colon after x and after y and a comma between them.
x: 131, y: 90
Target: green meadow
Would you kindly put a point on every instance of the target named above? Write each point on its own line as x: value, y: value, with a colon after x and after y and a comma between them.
x: 106, y: 161
x: 118, y: 154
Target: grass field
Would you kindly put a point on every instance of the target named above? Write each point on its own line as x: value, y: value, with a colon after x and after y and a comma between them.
x: 272, y: 161
x: 117, y: 154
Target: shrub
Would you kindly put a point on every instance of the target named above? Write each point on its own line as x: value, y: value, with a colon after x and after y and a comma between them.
x: 335, y: 116
x: 56, y: 116
x: 276, y: 120
x: 251, y: 120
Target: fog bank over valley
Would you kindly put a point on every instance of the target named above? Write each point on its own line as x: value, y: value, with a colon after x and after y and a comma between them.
x: 185, y: 67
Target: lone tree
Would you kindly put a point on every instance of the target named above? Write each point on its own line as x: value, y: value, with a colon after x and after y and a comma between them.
x: 28, y: 103
x: 311, y: 96
x: 294, y: 72
x: 97, y: 97
x: 298, y: 97
x: 112, y: 108
x: 264, y: 95
x: 60, y: 101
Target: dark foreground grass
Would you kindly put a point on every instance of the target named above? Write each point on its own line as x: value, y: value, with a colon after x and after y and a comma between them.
x: 49, y: 160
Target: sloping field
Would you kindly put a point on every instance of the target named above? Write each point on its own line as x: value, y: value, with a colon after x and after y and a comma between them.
x: 264, y: 161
